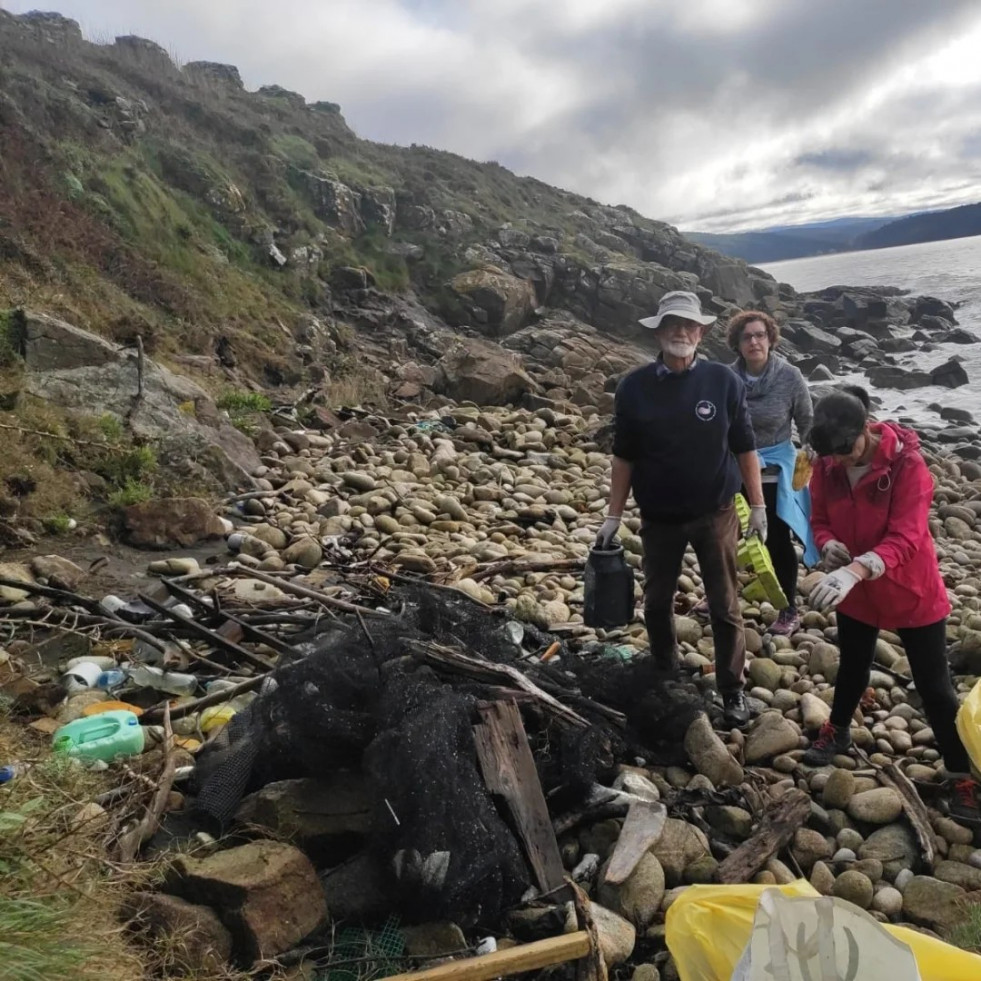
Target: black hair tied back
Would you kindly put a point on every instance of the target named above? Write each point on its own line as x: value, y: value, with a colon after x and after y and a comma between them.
x: 839, y: 419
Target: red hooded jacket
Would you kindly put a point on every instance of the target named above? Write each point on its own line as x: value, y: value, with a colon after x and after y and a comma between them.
x: 886, y: 513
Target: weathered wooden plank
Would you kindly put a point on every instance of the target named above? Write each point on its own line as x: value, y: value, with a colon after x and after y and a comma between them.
x: 509, y: 770
x: 782, y: 819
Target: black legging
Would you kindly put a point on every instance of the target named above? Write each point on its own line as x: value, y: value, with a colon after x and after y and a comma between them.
x: 926, y: 650
x: 781, y: 545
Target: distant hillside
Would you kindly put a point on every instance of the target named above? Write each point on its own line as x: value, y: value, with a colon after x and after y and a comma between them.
x: 932, y: 227
x: 790, y: 241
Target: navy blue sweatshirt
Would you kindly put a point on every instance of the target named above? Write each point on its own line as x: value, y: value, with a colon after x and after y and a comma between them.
x: 680, y: 432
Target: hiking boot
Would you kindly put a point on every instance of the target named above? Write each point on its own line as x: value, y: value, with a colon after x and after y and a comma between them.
x: 735, y: 711
x: 831, y: 741
x: 964, y: 801
x: 787, y: 623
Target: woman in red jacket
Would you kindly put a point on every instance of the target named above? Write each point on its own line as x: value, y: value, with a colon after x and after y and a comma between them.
x: 871, y: 493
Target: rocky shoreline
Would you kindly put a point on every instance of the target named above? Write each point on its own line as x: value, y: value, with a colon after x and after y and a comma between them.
x: 502, y: 503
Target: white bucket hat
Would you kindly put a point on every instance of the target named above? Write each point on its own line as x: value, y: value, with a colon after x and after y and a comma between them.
x: 678, y: 303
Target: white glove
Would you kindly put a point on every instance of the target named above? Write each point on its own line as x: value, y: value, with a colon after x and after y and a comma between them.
x: 609, y: 528
x: 757, y: 522
x: 834, y: 555
x: 832, y: 589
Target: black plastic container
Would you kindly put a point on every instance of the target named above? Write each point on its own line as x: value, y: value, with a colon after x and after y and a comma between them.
x: 609, y: 588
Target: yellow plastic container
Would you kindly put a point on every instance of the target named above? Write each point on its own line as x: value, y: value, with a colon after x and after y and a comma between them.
x: 216, y: 716
x: 752, y: 554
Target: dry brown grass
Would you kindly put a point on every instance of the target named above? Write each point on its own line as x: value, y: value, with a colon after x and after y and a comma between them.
x: 58, y: 898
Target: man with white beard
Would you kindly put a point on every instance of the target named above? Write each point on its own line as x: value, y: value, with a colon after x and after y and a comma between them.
x: 683, y: 443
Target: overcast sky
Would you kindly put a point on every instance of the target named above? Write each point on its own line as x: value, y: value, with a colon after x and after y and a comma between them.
x: 711, y: 114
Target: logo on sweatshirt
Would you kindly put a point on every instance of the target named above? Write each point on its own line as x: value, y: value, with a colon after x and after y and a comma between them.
x: 705, y: 410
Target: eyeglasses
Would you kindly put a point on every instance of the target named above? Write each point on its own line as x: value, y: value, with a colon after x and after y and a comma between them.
x: 755, y: 336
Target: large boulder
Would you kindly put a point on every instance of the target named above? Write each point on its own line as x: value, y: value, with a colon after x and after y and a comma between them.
x: 893, y: 376
x: 266, y: 892
x: 810, y: 339
x: 492, y: 300
x: 319, y: 815
x: 482, y: 372
x: 951, y: 374
x: 81, y: 372
x: 171, y: 521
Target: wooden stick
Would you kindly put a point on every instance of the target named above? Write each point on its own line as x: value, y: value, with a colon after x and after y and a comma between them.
x: 592, y: 967
x: 305, y: 591
x: 518, y: 566
x: 129, y: 843
x: 891, y: 776
x: 780, y: 822
x: 254, y: 632
x: 504, y: 963
x: 213, y: 638
x: 215, y: 698
x: 477, y: 667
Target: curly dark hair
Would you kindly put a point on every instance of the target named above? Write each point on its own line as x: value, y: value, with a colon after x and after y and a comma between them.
x: 738, y: 323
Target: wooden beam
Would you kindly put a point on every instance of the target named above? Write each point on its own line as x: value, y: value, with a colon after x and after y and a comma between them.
x: 782, y: 819
x: 504, y: 963
x: 509, y: 770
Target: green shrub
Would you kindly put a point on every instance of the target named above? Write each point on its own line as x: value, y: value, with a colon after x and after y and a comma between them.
x: 236, y: 401
x: 120, y: 467
x: 131, y: 492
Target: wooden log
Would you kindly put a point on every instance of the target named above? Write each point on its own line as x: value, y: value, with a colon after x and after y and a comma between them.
x: 509, y: 770
x: 642, y: 828
x: 505, y: 963
x: 782, y: 819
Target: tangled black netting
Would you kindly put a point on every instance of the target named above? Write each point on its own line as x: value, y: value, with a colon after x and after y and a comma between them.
x: 353, y: 698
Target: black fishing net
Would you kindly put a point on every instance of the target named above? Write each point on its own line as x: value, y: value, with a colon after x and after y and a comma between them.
x: 358, y: 696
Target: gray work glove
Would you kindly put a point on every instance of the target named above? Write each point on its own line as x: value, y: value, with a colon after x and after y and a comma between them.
x: 834, y: 555
x: 832, y: 589
x: 609, y: 528
x: 757, y: 522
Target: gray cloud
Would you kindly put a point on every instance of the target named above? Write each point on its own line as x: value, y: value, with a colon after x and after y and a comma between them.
x: 709, y: 113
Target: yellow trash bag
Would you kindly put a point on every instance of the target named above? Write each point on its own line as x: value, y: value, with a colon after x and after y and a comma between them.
x: 969, y: 725
x: 708, y: 928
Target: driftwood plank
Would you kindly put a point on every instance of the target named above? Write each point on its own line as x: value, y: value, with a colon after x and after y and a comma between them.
x: 641, y: 829
x: 891, y: 776
x: 504, y: 963
x: 509, y: 770
x: 781, y: 820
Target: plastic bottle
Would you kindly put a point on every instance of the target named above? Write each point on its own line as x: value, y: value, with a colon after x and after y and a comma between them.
x: 110, y: 679
x: 172, y: 682
x: 13, y: 770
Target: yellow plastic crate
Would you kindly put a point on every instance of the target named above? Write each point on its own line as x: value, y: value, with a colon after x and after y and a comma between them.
x: 752, y: 554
